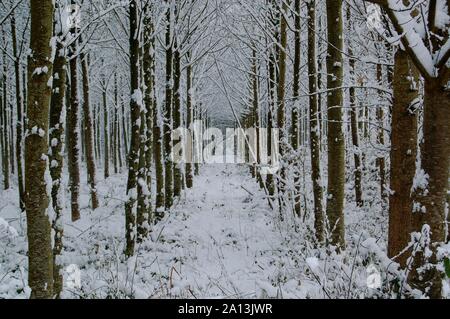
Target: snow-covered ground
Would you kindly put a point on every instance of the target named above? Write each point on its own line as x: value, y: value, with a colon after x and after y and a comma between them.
x: 217, y: 242
x: 220, y: 241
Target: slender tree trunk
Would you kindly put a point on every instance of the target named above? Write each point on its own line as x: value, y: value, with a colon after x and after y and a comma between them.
x: 133, y: 155
x: 143, y: 204
x: 88, y: 133
x: 272, y: 92
x: 167, y: 129
x: 150, y: 103
x: 354, y: 118
x: 197, y: 116
x: 97, y: 132
x: 115, y: 126
x: 11, y: 124
x: 4, y: 115
x: 40, y: 256
x: 381, y: 163
x: 296, y: 92
x: 177, y: 174
x: 159, y: 164
x: 281, y: 114
x: 336, y: 141
x: 314, y: 123
x: 105, y: 133
x: 56, y: 156
x: 118, y: 136
x: 124, y: 128
x: 19, y: 107
x: 2, y: 140
x: 403, y: 156
x: 256, y: 119
x: 189, y: 120
x: 73, y: 133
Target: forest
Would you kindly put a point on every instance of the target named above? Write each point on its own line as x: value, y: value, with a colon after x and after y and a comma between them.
x: 227, y: 149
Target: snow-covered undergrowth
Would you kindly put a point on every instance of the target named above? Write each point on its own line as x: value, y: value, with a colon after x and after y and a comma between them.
x: 220, y: 241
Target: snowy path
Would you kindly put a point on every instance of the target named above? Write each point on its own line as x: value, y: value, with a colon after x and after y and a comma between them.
x: 221, y: 235
x: 218, y: 242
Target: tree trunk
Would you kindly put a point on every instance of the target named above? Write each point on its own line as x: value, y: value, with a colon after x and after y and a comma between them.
x: 40, y: 257
x: 177, y: 174
x: 150, y: 103
x: 56, y: 156
x: 256, y: 119
x: 314, y: 123
x: 381, y: 163
x: 403, y: 156
x: 189, y: 120
x: 124, y: 128
x: 73, y: 133
x: 115, y: 126
x: 272, y: 100
x: 432, y: 195
x: 336, y: 141
x: 4, y: 115
x: 167, y: 128
x: 143, y: 204
x: 354, y: 119
x: 105, y: 133
x: 281, y: 114
x: 133, y: 155
x: 295, y: 109
x: 88, y: 134
x: 2, y: 127
x: 19, y: 106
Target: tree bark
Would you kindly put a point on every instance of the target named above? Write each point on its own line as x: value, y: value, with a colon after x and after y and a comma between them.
x: 133, y: 155
x: 281, y: 114
x: 403, y: 156
x: 115, y: 139
x: 4, y: 115
x: 435, y: 163
x: 150, y: 103
x: 177, y: 174
x: 56, y: 155
x: 19, y: 107
x: 336, y: 141
x: 295, y: 109
x: 314, y: 124
x: 105, y: 132
x: 354, y: 120
x: 381, y: 163
x: 167, y: 128
x: 88, y: 133
x: 73, y: 133
x: 40, y: 257
x: 189, y: 120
